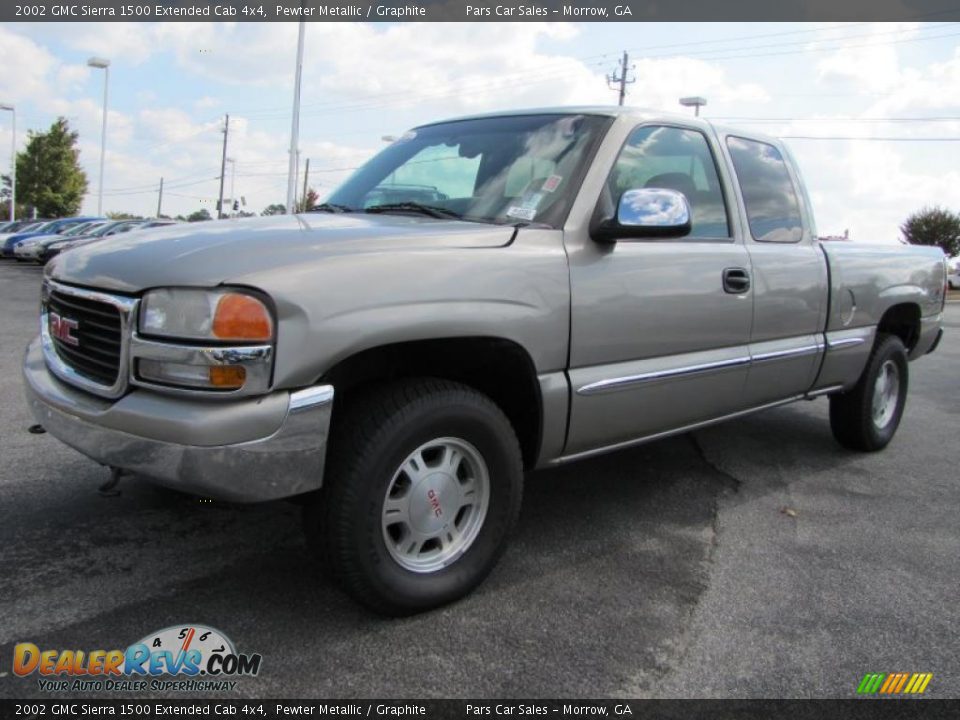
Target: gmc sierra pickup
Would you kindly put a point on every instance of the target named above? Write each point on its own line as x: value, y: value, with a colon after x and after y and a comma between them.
x: 485, y: 296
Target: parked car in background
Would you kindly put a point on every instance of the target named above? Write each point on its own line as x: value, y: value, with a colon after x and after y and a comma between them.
x: 157, y: 222
x: 31, y: 248
x: 103, y: 230
x: 53, y: 227
x: 19, y: 226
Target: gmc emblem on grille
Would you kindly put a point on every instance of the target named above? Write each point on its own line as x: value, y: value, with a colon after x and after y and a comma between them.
x: 62, y: 329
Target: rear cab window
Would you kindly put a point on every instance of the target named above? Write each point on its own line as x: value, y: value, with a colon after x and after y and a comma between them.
x: 769, y: 195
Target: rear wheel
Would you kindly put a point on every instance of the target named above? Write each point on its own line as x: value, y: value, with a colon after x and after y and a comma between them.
x: 867, y: 417
x: 424, y: 483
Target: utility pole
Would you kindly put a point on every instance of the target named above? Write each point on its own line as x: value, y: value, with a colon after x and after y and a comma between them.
x: 306, y: 175
x: 233, y: 181
x: 223, y: 165
x: 160, y: 199
x: 293, y: 171
x: 622, y: 81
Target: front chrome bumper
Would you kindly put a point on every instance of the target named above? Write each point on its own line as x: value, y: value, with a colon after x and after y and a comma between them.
x: 246, y: 450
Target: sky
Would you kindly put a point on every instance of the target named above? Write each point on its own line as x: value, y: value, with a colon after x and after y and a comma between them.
x: 823, y: 87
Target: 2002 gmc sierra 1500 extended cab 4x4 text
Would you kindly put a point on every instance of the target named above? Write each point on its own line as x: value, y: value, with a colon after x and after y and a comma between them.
x: 485, y: 296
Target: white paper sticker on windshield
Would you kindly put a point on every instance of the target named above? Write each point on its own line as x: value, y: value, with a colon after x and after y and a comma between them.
x: 552, y: 183
x: 524, y: 213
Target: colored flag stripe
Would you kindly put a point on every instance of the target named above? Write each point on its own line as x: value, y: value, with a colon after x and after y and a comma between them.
x: 877, y: 680
x: 865, y: 683
x: 891, y: 678
x: 913, y: 683
x: 926, y: 681
x: 903, y: 679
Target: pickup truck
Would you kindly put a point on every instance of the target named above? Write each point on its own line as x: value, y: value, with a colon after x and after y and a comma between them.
x: 554, y: 284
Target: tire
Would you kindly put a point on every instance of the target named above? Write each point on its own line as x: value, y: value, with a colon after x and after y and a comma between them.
x: 866, y: 418
x: 368, y: 546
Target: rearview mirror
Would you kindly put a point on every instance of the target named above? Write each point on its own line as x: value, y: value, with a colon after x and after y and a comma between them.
x: 646, y: 213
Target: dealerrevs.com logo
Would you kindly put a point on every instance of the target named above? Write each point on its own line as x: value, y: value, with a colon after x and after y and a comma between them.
x: 181, y: 658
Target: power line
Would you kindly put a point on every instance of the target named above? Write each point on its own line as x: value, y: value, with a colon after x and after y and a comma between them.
x: 153, y: 188
x: 765, y: 121
x: 871, y: 138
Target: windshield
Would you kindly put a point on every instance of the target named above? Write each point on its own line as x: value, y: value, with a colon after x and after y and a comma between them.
x: 110, y: 227
x: 79, y: 228
x: 499, y: 170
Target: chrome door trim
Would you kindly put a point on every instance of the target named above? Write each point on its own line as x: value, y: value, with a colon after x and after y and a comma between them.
x: 619, y: 383
x: 790, y: 352
x: 844, y: 342
x: 627, y: 381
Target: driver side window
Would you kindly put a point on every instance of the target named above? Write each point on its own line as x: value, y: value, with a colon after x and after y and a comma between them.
x: 435, y: 174
x: 678, y: 159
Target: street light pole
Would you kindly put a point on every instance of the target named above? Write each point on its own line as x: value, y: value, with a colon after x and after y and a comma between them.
x: 293, y: 171
x: 13, y: 160
x: 695, y: 102
x: 102, y: 64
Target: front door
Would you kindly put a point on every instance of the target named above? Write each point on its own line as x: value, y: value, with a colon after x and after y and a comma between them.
x: 658, y: 339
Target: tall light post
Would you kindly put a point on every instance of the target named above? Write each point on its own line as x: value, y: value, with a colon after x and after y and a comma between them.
x: 695, y: 102
x: 13, y: 159
x: 102, y: 64
x: 294, y: 171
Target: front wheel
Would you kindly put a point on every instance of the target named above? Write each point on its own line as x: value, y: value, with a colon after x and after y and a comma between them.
x: 866, y: 418
x: 423, y: 486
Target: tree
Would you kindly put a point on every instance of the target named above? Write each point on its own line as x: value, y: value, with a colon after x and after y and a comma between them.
x: 934, y: 226
x: 21, y: 210
x: 275, y: 209
x: 308, y: 202
x: 123, y: 216
x: 49, y: 177
x: 199, y: 215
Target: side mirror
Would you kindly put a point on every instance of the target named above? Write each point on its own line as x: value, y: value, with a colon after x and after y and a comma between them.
x: 646, y: 213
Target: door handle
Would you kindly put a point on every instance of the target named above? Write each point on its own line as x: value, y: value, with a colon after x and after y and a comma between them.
x: 736, y: 281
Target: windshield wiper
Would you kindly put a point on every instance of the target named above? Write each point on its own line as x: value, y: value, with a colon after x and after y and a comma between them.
x: 331, y: 208
x: 428, y: 210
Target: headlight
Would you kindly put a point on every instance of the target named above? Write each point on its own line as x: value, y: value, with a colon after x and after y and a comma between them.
x: 196, y: 339
x: 219, y: 315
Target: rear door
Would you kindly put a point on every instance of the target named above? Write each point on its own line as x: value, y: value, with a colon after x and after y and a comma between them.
x: 789, y: 272
x: 657, y: 341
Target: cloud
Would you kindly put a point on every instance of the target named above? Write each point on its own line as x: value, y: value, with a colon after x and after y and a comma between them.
x: 26, y: 67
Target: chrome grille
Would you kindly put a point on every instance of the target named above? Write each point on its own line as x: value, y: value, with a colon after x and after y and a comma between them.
x: 85, y: 336
x: 99, y: 336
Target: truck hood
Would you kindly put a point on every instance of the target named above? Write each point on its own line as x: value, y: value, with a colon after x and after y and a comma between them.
x: 208, y: 254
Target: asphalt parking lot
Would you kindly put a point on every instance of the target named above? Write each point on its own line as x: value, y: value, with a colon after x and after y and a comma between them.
x: 671, y: 570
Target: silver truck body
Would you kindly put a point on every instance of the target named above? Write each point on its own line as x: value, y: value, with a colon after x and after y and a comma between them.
x: 620, y: 343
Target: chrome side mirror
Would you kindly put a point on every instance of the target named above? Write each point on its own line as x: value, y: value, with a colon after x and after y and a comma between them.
x: 647, y: 213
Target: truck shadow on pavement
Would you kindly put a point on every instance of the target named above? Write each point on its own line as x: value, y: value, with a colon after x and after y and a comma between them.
x: 594, y: 594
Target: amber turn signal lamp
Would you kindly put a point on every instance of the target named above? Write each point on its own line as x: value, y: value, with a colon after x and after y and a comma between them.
x: 241, y: 317
x: 227, y: 376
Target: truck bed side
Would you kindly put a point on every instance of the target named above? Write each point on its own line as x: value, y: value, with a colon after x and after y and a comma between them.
x: 887, y: 287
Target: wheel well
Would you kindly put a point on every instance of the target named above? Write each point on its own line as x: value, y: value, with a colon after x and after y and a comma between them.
x: 904, y: 322
x: 500, y: 369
